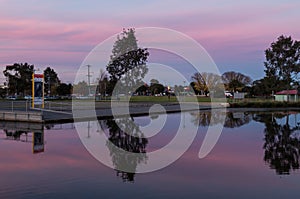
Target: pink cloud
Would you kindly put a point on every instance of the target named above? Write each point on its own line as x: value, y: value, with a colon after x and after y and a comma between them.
x: 230, y: 31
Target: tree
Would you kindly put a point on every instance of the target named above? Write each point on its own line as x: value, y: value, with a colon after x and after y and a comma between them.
x: 156, y: 89
x: 51, y: 81
x: 199, y: 83
x: 81, y: 88
x: 143, y: 90
x: 263, y: 87
x: 2, y: 92
x: 282, y: 62
x: 235, y: 81
x: 103, y: 83
x: 154, y: 81
x: 64, y: 89
x: 178, y: 89
x: 19, y: 77
x: 207, y: 82
x: 127, y: 65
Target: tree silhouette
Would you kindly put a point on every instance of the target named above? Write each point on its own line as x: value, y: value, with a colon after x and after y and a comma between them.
x: 127, y: 65
x: 51, y: 81
x: 282, y: 62
x: 19, y: 77
x: 235, y: 81
x: 208, y: 83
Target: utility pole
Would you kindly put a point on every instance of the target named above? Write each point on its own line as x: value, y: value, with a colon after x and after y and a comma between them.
x: 89, y: 79
x: 184, y: 91
x: 49, y: 86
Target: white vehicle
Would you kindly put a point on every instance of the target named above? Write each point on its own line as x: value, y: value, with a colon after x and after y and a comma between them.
x: 228, y: 94
x: 27, y: 97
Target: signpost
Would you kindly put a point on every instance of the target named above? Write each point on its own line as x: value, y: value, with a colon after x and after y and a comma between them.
x: 37, y: 90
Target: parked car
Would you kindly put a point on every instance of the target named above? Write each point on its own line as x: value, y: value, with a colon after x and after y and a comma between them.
x: 228, y: 94
x: 28, y: 97
x: 11, y: 97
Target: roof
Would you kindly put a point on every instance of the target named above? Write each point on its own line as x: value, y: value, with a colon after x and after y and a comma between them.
x: 287, y: 92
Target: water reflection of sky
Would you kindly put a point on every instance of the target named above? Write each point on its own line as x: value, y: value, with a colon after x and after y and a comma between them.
x: 234, y: 169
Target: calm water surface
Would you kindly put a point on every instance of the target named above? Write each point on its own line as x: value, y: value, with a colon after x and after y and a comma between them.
x: 257, y: 156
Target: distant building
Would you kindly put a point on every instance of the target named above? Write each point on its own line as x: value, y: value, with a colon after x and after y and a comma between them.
x: 287, y: 96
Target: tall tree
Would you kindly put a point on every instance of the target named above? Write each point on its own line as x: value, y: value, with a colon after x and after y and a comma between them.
x: 51, y: 81
x: 127, y: 64
x: 19, y: 76
x: 282, y: 62
x: 235, y: 81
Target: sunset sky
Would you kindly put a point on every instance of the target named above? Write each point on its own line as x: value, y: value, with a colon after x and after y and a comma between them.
x: 60, y: 34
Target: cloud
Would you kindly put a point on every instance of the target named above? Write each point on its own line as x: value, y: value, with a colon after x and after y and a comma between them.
x: 230, y: 30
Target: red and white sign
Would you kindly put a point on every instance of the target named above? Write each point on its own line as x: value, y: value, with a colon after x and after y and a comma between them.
x: 38, y: 88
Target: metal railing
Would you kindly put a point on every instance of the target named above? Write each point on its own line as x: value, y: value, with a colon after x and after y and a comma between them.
x: 12, y: 106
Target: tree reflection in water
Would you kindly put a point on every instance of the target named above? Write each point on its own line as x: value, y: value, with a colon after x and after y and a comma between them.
x: 232, y: 119
x: 282, y: 142
x: 126, y: 135
x: 16, y: 135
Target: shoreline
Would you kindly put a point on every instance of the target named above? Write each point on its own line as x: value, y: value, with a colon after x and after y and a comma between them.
x: 136, y: 111
x: 103, y: 111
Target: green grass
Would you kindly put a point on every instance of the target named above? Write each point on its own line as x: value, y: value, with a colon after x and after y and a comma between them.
x: 153, y: 99
x: 166, y: 99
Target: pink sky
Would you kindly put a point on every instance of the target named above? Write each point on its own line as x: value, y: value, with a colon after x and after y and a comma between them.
x: 61, y: 34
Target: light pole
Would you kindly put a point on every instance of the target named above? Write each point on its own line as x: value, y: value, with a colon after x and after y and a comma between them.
x: 89, y: 80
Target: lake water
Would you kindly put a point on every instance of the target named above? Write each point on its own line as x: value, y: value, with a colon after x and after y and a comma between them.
x: 256, y: 156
